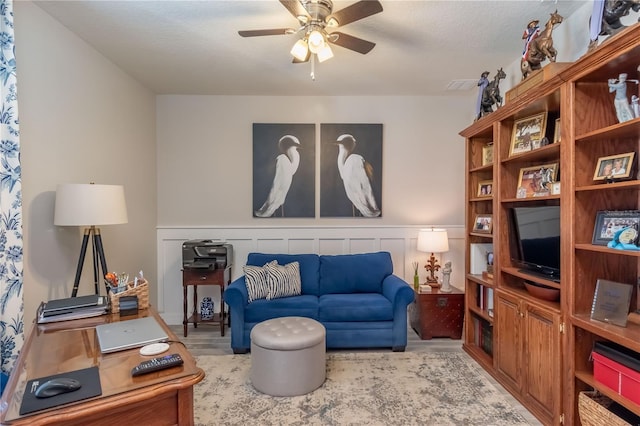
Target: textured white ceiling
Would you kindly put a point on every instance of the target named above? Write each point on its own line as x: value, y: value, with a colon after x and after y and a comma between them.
x: 193, y: 47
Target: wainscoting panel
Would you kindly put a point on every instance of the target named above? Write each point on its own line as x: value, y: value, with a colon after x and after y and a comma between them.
x: 400, y: 241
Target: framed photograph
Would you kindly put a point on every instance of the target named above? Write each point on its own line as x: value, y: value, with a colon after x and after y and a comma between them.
x: 483, y: 223
x: 611, y: 302
x: 609, y: 222
x: 556, y: 131
x: 614, y: 166
x: 536, y: 181
x: 487, y: 154
x: 528, y: 132
x: 485, y: 188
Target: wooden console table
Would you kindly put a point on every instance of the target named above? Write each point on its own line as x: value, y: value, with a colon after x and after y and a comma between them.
x: 195, y: 278
x: 161, y: 398
x: 437, y: 314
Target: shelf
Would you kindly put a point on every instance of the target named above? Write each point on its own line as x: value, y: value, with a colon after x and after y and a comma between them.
x: 529, y: 199
x: 628, y: 129
x: 197, y: 319
x: 605, y: 249
x: 543, y: 153
x: 481, y: 313
x: 479, y: 355
x: 522, y: 293
x: 530, y: 277
x: 477, y: 278
x: 485, y: 168
x: 477, y: 199
x: 480, y: 234
x: 628, y: 184
x: 628, y: 336
x: 587, y: 378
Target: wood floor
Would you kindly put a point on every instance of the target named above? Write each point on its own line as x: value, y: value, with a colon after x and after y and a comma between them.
x: 206, y: 340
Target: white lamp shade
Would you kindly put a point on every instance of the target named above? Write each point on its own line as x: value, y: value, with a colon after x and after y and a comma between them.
x: 316, y: 41
x: 325, y: 53
x: 300, y: 50
x: 79, y: 204
x: 433, y: 240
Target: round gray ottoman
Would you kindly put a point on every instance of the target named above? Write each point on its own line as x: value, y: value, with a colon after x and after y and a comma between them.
x: 288, y: 356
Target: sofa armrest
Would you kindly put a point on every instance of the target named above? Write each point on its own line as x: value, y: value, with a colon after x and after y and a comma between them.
x: 237, y: 297
x: 401, y: 295
x: 398, y: 291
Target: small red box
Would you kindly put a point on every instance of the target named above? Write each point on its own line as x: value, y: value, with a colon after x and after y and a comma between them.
x: 616, y: 376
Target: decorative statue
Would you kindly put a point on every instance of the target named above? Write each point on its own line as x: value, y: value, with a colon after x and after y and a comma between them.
x: 482, y: 84
x: 538, y: 47
x: 621, y: 102
x: 446, y: 278
x: 491, y: 94
x: 605, y: 18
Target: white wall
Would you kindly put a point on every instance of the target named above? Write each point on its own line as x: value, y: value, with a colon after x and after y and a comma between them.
x: 205, y: 155
x: 81, y: 119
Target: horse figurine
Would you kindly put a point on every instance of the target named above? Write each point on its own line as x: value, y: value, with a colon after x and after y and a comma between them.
x: 611, y: 11
x: 491, y: 94
x: 540, y: 48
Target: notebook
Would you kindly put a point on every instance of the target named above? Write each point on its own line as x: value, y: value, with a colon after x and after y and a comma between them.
x: 122, y: 335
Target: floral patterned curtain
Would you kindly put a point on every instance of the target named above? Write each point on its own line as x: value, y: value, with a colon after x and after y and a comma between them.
x: 11, y: 262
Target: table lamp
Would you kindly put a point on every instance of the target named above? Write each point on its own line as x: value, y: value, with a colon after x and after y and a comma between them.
x: 433, y: 241
x: 90, y: 205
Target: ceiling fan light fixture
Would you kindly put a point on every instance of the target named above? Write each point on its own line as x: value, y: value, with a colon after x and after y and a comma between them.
x: 325, y: 53
x: 300, y: 50
x: 316, y: 41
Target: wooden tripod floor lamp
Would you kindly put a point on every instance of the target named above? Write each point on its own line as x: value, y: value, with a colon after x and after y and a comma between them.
x: 90, y: 205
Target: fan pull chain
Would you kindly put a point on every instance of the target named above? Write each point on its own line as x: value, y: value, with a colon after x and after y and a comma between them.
x: 313, y: 67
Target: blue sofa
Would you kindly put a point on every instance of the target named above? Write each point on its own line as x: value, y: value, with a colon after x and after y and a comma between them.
x: 355, y: 296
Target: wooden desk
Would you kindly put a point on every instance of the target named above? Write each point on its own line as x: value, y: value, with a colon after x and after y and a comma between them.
x: 161, y: 398
x: 437, y: 314
x: 196, y: 277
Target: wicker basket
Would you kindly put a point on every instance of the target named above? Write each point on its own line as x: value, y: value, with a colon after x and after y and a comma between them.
x: 141, y: 290
x: 594, y: 410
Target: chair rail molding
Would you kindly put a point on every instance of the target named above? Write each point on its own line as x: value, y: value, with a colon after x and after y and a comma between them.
x: 400, y: 241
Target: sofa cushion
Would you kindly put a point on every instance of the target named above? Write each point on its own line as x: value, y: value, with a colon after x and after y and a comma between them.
x: 284, y: 280
x: 354, y: 307
x: 298, y: 306
x: 309, y: 267
x: 354, y: 273
x: 257, y: 282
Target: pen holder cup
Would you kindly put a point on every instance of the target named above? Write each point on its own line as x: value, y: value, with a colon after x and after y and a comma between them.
x: 141, y: 290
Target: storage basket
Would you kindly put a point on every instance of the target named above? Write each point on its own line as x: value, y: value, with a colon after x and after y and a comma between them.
x: 141, y: 290
x: 594, y: 410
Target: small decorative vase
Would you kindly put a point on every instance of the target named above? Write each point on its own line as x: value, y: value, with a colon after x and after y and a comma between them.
x: 416, y: 282
x: 206, y: 309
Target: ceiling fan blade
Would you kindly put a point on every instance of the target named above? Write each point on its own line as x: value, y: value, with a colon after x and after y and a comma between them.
x: 354, y: 12
x: 350, y: 42
x: 275, y: 31
x: 295, y: 8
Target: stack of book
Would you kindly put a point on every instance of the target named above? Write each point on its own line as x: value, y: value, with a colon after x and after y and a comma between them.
x: 72, y: 308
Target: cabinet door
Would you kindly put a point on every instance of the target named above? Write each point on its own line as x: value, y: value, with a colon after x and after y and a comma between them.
x: 508, y: 339
x: 543, y: 382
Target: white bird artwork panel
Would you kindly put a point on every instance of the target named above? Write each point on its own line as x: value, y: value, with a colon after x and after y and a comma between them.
x: 351, y: 170
x: 283, y: 170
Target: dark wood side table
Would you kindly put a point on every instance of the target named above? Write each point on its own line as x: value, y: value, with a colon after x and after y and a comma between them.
x: 438, y: 314
x: 195, y: 278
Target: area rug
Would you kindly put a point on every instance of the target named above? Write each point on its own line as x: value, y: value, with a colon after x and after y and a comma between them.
x: 362, y: 388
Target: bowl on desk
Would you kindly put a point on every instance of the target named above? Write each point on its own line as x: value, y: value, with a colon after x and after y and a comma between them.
x: 542, y: 291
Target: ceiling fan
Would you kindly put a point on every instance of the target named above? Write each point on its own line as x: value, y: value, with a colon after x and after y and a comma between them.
x: 316, y: 17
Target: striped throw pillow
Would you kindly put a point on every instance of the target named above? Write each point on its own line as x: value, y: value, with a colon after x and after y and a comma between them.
x: 257, y: 280
x: 284, y: 280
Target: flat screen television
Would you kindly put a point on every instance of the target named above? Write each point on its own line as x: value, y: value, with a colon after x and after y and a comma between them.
x: 535, y: 242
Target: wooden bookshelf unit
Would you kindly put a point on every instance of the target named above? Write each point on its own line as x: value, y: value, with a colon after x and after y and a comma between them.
x: 539, y: 350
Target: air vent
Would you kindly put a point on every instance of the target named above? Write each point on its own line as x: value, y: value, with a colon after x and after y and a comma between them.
x: 466, y: 84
